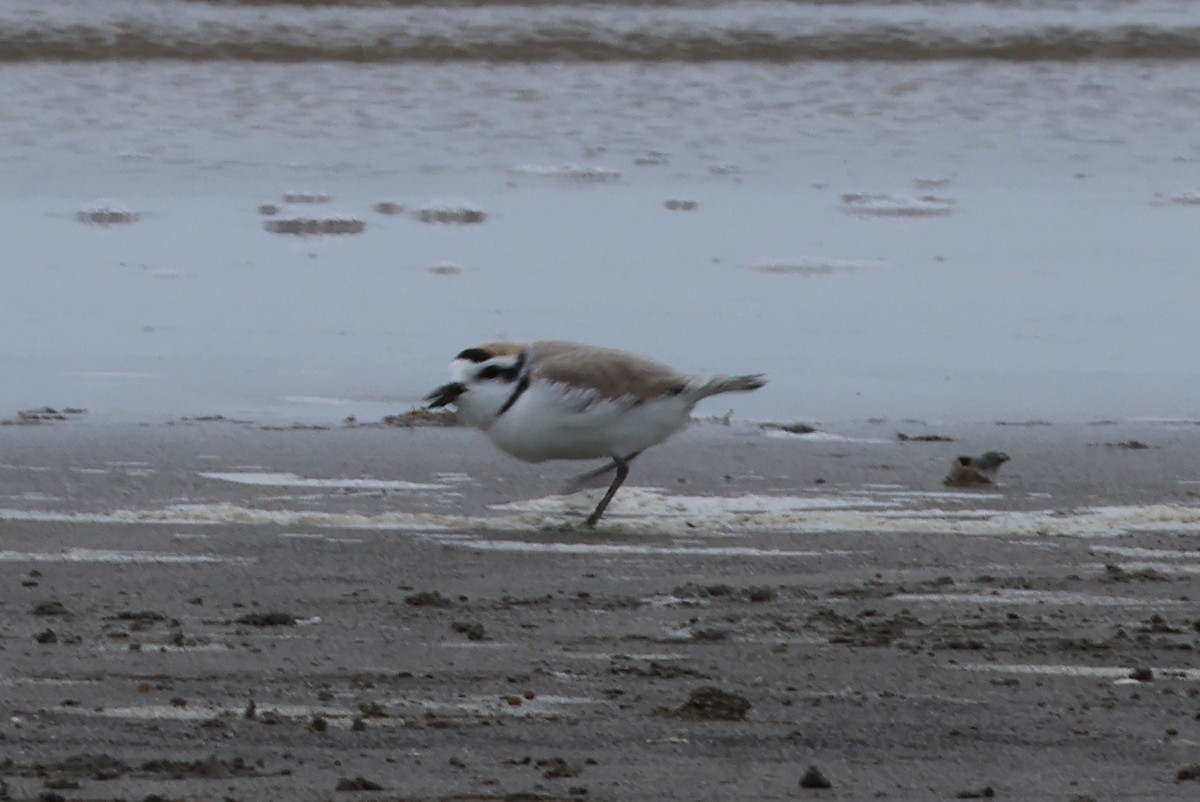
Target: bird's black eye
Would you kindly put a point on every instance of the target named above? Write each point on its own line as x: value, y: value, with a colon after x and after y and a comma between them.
x: 490, y: 372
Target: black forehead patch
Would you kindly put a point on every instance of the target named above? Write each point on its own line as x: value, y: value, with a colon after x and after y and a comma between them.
x: 475, y: 355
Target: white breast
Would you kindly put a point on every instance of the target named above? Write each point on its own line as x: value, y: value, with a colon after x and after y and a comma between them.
x: 551, y: 421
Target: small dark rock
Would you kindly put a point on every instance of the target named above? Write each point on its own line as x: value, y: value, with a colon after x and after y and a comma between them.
x: 983, y: 793
x: 50, y: 608
x: 813, y: 778
x: 709, y: 703
x: 472, y: 629
x: 372, y: 710
x: 46, y: 636
x: 556, y: 768
x: 139, y: 615
x: 1142, y: 674
x: 1188, y: 772
x: 760, y: 594
x: 427, y: 598
x: 357, y: 784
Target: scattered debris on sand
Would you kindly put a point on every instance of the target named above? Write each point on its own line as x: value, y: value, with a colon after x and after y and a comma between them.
x: 309, y: 225
x: 923, y: 438
x: 306, y: 197
x: 652, y: 158
x: 451, y: 210
x: 868, y: 204
x: 790, y: 428
x: 106, y: 213
x: 43, y: 415
x: 422, y: 417
x: 271, y: 619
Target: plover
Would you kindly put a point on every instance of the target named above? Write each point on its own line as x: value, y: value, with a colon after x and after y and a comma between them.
x: 981, y: 470
x: 562, y: 400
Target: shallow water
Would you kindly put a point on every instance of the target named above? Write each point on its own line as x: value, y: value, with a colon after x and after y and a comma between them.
x: 954, y: 234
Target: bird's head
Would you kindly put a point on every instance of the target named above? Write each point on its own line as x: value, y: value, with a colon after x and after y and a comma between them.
x: 991, y: 460
x: 483, y: 379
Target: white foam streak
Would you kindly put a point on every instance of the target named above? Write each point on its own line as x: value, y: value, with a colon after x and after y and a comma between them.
x: 111, y: 556
x: 1008, y: 596
x: 615, y: 549
x: 292, y: 480
x: 1103, y: 672
x: 650, y: 512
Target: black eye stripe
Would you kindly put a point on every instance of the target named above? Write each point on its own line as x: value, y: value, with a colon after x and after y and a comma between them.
x: 475, y: 355
x: 508, y: 374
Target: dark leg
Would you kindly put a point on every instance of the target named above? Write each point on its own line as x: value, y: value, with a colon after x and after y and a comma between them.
x: 622, y: 468
x: 577, y: 482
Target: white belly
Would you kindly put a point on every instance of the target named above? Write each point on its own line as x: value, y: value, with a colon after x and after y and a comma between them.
x: 544, y: 424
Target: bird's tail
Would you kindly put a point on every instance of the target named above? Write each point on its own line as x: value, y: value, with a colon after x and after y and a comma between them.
x: 730, y: 384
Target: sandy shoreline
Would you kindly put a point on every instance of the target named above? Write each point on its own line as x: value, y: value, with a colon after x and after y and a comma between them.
x: 481, y: 662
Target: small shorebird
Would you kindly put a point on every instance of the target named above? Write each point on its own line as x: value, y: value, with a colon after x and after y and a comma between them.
x: 562, y: 400
x: 979, y: 470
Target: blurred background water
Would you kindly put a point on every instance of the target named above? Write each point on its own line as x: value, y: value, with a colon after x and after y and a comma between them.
x: 942, y: 210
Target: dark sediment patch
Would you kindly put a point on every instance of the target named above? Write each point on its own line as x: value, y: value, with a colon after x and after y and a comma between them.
x: 472, y: 629
x: 50, y: 608
x: 389, y: 207
x: 570, y: 172
x: 923, y: 438
x: 43, y: 415
x: 314, y: 226
x: 306, y: 197
x: 357, y: 784
x: 270, y: 619
x: 105, y: 213
x: 790, y: 428
x: 868, y: 204
x: 453, y: 211
x: 710, y: 703
x: 427, y: 598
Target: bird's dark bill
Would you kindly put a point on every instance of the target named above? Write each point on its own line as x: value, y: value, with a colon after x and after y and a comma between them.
x: 446, y: 394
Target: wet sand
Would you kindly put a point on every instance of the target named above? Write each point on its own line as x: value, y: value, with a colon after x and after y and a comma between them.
x: 163, y: 634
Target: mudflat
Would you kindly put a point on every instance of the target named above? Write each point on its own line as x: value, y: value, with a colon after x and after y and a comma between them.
x: 212, y: 610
